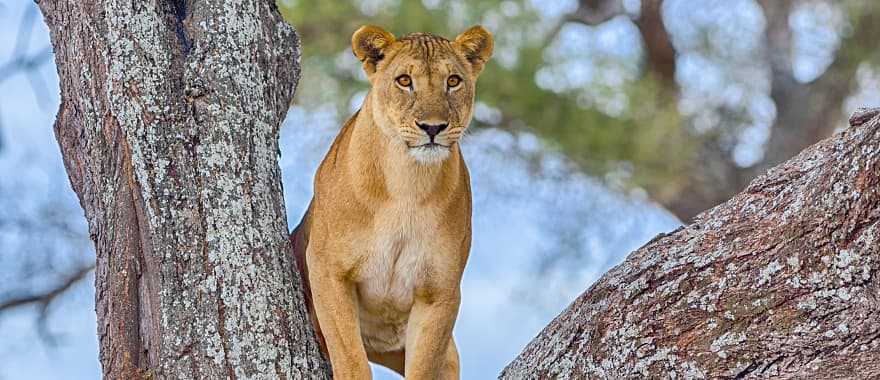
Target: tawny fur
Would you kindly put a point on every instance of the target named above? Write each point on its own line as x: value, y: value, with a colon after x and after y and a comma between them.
x: 385, y: 240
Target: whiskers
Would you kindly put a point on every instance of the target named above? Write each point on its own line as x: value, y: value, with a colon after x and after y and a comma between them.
x: 421, y: 145
x: 452, y: 136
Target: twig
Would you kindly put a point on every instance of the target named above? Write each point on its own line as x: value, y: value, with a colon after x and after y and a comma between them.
x: 44, y: 299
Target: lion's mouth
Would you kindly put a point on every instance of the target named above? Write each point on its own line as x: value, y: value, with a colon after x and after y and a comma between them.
x: 430, y: 153
x: 430, y: 145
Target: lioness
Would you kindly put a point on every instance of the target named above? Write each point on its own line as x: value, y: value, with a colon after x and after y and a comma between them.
x: 385, y: 239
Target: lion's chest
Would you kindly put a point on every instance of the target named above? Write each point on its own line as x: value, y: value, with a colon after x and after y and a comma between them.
x: 396, y: 261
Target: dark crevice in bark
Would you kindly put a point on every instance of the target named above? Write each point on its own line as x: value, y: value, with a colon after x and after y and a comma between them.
x: 745, y: 372
x: 122, y: 305
x: 179, y: 11
x: 147, y: 290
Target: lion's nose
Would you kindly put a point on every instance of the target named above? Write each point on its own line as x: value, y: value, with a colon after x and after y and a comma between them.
x: 432, y: 129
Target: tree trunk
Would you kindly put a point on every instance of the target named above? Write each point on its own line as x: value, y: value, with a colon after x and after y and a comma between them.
x: 168, y: 126
x: 780, y: 281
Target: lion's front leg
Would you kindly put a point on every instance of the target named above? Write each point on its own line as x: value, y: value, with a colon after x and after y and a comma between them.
x: 336, y: 308
x: 450, y: 368
x: 429, y: 337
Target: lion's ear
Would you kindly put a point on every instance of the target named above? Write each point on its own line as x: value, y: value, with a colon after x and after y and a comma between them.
x: 369, y: 43
x: 476, y: 43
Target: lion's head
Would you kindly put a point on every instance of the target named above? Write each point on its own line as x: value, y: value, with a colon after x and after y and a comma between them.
x: 422, y: 85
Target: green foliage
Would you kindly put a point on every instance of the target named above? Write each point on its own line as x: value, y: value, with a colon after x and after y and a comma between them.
x: 644, y: 144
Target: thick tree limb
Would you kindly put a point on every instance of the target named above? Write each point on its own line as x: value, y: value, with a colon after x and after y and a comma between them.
x: 781, y: 281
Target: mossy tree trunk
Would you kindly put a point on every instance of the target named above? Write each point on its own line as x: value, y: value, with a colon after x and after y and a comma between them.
x: 781, y: 281
x: 168, y: 125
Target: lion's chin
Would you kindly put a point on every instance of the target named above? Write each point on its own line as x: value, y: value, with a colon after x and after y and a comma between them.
x: 429, y: 154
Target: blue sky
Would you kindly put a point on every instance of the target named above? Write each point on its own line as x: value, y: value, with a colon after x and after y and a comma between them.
x: 522, y: 217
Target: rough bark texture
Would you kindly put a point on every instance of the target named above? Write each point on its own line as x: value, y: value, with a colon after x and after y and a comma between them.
x: 781, y: 281
x: 169, y: 130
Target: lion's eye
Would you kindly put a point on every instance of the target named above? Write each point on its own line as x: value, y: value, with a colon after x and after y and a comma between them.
x: 453, y: 81
x: 404, y: 80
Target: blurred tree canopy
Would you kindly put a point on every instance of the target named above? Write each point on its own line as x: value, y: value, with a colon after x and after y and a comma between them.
x: 685, y: 101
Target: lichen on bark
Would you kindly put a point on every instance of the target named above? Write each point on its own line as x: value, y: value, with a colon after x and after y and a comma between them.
x: 780, y: 281
x: 169, y: 131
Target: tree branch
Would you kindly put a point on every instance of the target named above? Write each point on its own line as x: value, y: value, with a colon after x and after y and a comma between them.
x: 26, y: 63
x: 46, y: 297
x: 595, y: 12
x: 780, y: 281
x: 659, y: 52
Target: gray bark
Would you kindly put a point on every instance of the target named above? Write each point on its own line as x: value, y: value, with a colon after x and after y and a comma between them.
x: 780, y: 281
x: 168, y: 126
